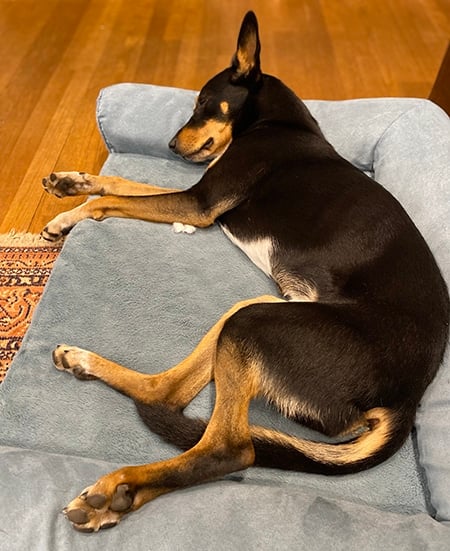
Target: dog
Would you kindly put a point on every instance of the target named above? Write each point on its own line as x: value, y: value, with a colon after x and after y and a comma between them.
x: 349, y: 346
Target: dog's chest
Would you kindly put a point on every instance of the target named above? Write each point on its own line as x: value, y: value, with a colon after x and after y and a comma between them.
x: 260, y: 250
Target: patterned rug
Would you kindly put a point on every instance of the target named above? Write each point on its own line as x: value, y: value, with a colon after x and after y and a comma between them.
x: 25, y: 265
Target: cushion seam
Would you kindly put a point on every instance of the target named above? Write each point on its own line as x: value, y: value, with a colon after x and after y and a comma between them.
x: 386, y: 130
x: 99, y: 111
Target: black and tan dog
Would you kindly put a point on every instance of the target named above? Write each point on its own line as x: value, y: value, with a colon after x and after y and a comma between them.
x: 348, y: 350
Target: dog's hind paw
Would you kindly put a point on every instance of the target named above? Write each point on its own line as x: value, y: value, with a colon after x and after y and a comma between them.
x: 95, y: 510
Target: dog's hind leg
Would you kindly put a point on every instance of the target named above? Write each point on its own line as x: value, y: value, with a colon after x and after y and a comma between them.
x: 175, y: 387
x: 225, y: 447
x: 69, y: 184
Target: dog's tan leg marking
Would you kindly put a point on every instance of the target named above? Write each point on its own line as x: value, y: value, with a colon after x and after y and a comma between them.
x: 225, y: 447
x: 177, y: 386
x: 63, y: 184
x: 175, y: 206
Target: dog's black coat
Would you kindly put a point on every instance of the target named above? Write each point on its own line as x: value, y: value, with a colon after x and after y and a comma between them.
x: 376, y: 333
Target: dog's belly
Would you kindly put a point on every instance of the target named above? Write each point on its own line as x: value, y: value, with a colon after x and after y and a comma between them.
x: 259, y: 250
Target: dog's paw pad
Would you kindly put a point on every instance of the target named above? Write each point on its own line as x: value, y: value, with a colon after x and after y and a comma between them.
x: 77, y: 516
x: 97, y: 501
x: 122, y: 499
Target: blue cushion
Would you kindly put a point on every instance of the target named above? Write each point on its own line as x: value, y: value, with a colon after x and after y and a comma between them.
x: 403, y: 142
x: 143, y: 296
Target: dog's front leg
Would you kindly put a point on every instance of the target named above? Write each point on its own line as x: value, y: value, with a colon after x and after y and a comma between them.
x: 69, y: 184
x: 181, y: 206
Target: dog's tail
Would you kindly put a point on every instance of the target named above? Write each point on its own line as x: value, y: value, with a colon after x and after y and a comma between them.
x: 387, y: 429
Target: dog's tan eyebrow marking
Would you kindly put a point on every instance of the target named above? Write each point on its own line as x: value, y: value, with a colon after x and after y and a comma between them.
x: 224, y: 107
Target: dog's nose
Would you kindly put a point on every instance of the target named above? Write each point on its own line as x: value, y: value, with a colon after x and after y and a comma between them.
x: 173, y: 143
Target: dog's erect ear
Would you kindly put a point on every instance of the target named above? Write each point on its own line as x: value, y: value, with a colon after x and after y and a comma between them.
x: 246, y: 64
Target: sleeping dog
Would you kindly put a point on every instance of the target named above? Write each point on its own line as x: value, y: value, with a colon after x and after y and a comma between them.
x: 349, y: 346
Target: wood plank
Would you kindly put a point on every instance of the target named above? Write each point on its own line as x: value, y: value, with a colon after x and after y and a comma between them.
x: 440, y: 93
x: 18, y: 99
x: 56, y: 55
x: 18, y: 30
x: 64, y: 86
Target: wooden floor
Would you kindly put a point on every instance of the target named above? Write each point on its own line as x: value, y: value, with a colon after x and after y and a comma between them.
x: 56, y: 55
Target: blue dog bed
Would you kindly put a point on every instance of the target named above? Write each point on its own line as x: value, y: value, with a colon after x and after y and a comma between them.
x: 143, y: 296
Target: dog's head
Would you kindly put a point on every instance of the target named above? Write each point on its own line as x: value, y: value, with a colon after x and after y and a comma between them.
x: 221, y: 101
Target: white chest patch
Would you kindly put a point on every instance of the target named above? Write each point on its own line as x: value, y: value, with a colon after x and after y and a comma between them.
x: 259, y: 250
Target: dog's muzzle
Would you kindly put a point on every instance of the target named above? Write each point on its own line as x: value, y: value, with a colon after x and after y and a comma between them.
x: 174, y: 146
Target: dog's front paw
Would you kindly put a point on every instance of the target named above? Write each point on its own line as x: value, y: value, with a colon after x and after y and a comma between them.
x: 58, y: 227
x: 64, y: 184
x: 74, y: 360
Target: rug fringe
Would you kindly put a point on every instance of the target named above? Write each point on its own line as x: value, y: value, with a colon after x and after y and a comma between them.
x: 26, y: 239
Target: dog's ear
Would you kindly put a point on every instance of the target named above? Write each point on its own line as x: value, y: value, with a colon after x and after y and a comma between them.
x: 246, y: 63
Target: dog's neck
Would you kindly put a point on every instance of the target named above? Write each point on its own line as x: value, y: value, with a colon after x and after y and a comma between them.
x: 287, y: 109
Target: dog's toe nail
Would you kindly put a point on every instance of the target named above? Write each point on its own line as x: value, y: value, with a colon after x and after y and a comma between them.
x: 84, y: 529
x: 108, y: 525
